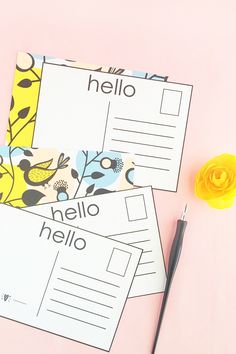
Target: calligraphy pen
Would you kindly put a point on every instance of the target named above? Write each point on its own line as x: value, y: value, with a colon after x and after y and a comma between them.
x: 173, y: 262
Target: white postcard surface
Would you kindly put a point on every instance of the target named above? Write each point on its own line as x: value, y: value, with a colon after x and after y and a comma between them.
x: 63, y: 280
x: 126, y: 216
x: 89, y: 109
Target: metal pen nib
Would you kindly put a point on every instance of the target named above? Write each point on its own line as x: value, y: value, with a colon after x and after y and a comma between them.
x: 184, y: 213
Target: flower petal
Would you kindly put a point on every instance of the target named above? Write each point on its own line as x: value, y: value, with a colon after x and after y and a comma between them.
x: 221, y: 203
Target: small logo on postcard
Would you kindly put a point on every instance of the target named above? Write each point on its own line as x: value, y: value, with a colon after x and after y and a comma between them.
x: 5, y: 297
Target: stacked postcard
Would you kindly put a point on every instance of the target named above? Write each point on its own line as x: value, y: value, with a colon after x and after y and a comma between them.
x: 85, y: 147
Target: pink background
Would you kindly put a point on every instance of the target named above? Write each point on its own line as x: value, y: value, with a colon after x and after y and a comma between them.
x: 192, y: 42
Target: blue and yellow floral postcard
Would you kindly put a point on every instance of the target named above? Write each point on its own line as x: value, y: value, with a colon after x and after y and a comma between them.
x: 31, y: 176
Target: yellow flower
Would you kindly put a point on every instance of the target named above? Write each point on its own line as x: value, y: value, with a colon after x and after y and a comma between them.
x: 216, y: 181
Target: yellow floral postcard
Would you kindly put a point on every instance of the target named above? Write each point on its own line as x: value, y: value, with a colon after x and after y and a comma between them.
x: 31, y: 176
x: 26, y: 91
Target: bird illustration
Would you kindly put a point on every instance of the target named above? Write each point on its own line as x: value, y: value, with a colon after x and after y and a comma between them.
x: 40, y: 174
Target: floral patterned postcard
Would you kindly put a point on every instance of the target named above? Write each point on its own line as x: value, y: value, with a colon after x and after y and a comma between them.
x: 26, y: 91
x: 31, y: 176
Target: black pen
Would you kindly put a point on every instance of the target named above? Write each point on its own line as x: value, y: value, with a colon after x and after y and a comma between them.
x: 173, y: 262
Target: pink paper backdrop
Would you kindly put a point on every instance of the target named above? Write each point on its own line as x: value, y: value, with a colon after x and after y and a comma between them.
x: 192, y: 42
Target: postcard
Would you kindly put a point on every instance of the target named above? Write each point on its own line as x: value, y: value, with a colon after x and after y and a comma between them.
x: 126, y: 216
x: 62, y: 279
x: 30, y: 176
x: 26, y: 89
x: 57, y: 102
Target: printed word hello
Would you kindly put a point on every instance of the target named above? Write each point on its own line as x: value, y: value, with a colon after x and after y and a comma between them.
x: 81, y: 211
x: 58, y: 236
x: 116, y: 87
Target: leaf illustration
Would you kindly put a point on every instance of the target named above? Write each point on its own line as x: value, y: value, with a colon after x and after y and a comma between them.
x: 102, y: 191
x: 61, y: 158
x: 1, y: 174
x: 32, y: 197
x: 90, y: 189
x: 1, y: 159
x: 23, y: 112
x: 12, y: 103
x: 25, y: 83
x: 116, y: 71
x: 119, y: 71
x: 1, y: 194
x: 28, y: 153
x: 74, y: 173
x: 154, y: 77
x: 96, y: 175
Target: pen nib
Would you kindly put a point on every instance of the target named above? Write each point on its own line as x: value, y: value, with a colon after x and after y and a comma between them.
x: 184, y: 212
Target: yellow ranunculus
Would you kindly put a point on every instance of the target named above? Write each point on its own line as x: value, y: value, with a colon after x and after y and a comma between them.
x: 216, y: 181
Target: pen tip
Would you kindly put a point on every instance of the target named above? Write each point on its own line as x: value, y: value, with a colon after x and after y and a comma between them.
x: 184, y: 212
